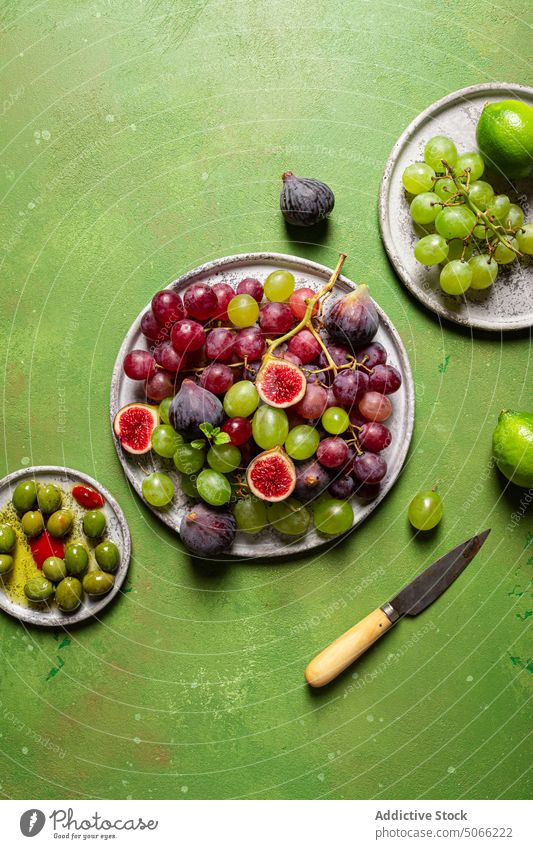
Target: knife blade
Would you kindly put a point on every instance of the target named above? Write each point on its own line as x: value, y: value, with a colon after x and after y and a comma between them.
x: 415, y: 597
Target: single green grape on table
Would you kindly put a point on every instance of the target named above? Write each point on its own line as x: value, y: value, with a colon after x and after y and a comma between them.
x: 188, y: 459
x: 425, y: 510
x: 335, y: 420
x: 165, y: 440
x: 455, y: 277
x: 431, y: 249
x: 279, y: 285
x: 243, y: 310
x: 302, y: 442
x: 270, y: 427
x: 224, y: 458
x: 484, y: 271
x: 241, y: 399
x: 250, y: 514
x: 418, y: 178
x: 157, y: 490
x: 437, y: 149
x: 455, y: 222
x: 425, y: 207
x: 213, y: 487
x: 332, y: 516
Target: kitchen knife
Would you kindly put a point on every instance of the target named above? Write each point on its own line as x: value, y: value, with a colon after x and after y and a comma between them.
x: 412, y: 600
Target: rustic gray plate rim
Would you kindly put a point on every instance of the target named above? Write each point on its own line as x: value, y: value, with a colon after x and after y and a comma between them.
x: 302, y: 265
x: 384, y: 205
x: 89, y: 609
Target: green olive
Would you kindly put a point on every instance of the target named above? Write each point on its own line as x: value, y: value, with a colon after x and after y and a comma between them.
x: 6, y: 564
x: 24, y: 496
x: 38, y: 589
x: 76, y: 558
x: 7, y: 539
x: 94, y: 524
x: 32, y: 523
x: 59, y: 523
x: 69, y: 594
x: 54, y: 568
x: 49, y: 498
x: 107, y: 556
x: 98, y: 583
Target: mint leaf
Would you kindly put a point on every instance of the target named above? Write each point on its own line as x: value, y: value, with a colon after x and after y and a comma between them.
x: 221, y: 438
x: 198, y: 443
x: 207, y: 429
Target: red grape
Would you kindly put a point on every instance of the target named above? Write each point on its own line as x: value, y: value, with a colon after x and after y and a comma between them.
x: 223, y: 293
x: 338, y: 353
x: 355, y: 417
x: 220, y: 344
x: 313, y: 403
x: 305, y: 346
x: 217, y: 378
x: 200, y: 301
x: 251, y: 286
x: 250, y: 343
x: 297, y: 302
x: 292, y: 358
x: 166, y: 356
x: 187, y: 335
x: 138, y: 364
x: 167, y: 306
x: 153, y: 329
x: 369, y: 468
x: 374, y: 436
x: 160, y: 385
x: 276, y: 318
x: 375, y: 354
x: 239, y: 430
x: 385, y: 379
x: 332, y: 398
x: 375, y: 407
x: 349, y: 386
x: 332, y: 452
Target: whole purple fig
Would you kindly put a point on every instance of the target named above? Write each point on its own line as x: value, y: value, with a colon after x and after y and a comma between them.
x: 192, y: 406
x: 305, y: 201
x: 353, y: 319
x: 312, y: 480
x: 206, y: 532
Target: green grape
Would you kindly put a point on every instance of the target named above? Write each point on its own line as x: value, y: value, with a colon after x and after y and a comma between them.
x: 418, y: 178
x: 455, y: 278
x: 484, y: 271
x: 243, y: 310
x: 481, y: 233
x: 241, y: 399
x: 289, y: 517
x: 157, y: 489
x: 437, y: 149
x: 458, y: 250
x: 455, y: 222
x: 445, y: 188
x: 431, y: 250
x: 504, y: 255
x: 250, y: 514
x: 213, y: 487
x: 515, y: 216
x: 524, y: 237
x: 188, y: 485
x: 332, y: 516
x: 499, y: 208
x: 224, y: 458
x: 189, y: 460
x: 335, y: 420
x: 279, y: 286
x: 302, y: 442
x: 425, y: 207
x: 270, y: 427
x: 165, y: 440
x: 482, y: 194
x: 164, y: 408
x: 472, y: 161
x: 425, y: 510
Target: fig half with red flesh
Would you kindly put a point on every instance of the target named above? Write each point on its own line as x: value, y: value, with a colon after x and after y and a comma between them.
x: 280, y: 383
x: 134, y: 425
x: 271, y: 475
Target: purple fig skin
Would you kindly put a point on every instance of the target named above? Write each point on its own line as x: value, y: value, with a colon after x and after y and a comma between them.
x: 206, y: 532
x: 304, y: 201
x: 312, y: 480
x: 353, y: 320
x: 192, y: 406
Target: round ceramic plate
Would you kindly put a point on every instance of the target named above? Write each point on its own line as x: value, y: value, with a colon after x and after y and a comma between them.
x: 508, y: 304
x: 117, y: 530
x: 230, y: 270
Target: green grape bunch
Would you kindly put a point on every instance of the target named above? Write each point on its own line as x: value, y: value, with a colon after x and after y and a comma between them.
x: 471, y: 229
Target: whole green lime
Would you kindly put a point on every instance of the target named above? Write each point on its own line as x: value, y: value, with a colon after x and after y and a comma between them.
x: 512, y: 447
x: 505, y: 137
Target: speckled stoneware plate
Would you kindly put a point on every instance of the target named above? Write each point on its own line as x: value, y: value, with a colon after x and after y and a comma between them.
x: 268, y: 543
x: 49, y: 615
x: 508, y: 304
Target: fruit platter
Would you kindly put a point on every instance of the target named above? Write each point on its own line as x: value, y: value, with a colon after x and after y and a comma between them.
x: 64, y: 546
x: 262, y: 405
x: 457, y: 227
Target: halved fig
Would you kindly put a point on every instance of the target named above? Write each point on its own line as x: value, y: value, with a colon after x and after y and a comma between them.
x: 280, y: 383
x: 271, y: 475
x: 134, y: 425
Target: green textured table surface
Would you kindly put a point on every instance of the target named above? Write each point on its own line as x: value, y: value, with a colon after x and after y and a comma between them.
x: 140, y: 139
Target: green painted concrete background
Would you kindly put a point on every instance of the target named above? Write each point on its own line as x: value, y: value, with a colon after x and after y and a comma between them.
x: 140, y: 139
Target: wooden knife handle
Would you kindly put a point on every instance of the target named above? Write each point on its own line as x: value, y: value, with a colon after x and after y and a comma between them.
x: 344, y: 650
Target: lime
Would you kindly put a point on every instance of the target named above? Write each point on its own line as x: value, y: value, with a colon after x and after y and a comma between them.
x: 512, y: 447
x: 505, y: 137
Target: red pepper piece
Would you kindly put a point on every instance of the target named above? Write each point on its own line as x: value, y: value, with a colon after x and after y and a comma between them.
x: 87, y: 497
x: 45, y: 546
